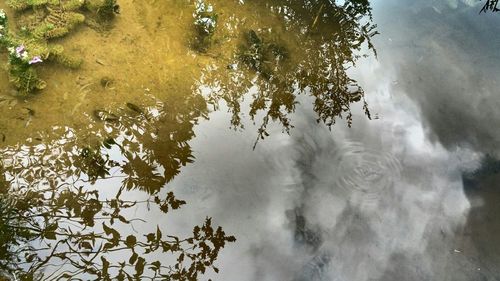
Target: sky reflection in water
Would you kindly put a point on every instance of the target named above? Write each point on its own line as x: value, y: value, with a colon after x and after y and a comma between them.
x: 404, y: 196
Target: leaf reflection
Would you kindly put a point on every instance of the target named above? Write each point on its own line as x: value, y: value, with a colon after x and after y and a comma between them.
x: 53, y: 216
x: 75, y: 230
x: 324, y: 39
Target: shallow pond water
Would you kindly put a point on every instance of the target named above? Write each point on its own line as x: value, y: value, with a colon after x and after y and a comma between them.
x: 329, y: 151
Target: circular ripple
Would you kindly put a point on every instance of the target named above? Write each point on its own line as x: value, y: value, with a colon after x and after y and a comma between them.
x: 365, y: 173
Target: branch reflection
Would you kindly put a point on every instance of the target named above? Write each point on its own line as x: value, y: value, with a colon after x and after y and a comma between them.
x: 62, y: 213
x: 323, y: 40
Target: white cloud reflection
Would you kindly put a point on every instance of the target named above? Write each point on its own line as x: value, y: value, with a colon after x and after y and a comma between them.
x: 383, y: 200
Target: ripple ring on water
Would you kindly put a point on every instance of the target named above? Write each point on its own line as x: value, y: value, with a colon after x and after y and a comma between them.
x: 365, y: 173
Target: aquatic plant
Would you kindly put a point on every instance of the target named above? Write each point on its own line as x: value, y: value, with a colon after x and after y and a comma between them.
x: 39, y: 22
x: 21, y: 70
x: 21, y: 59
x: 104, y: 9
x: 205, y: 22
x: 52, y: 21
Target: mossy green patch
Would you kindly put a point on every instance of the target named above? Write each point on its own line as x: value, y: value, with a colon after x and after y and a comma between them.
x: 39, y: 22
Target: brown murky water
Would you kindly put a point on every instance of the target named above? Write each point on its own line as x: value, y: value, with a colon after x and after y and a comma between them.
x: 144, y: 56
x: 146, y: 76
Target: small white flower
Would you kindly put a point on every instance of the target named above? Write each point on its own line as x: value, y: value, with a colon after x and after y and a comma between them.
x: 11, y: 50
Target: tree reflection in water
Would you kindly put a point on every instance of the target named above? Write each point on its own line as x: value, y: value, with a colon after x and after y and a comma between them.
x: 51, y: 216
x: 325, y: 40
x: 55, y: 222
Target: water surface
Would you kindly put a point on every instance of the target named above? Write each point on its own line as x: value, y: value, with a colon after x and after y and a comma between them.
x: 367, y: 171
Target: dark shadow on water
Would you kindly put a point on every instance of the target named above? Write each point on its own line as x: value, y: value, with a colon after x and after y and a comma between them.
x: 305, y: 235
x: 482, y: 188
x: 471, y: 252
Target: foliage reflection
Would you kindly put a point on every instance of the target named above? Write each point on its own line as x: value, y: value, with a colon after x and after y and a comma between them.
x: 51, y: 215
x: 323, y: 40
x: 56, y: 222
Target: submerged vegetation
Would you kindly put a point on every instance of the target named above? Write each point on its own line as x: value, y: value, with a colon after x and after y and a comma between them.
x: 39, y: 22
x: 21, y: 62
